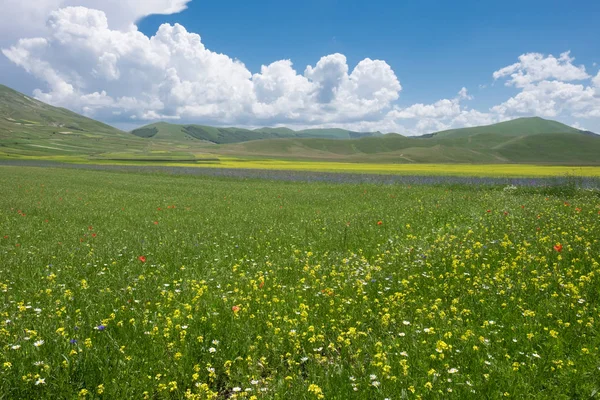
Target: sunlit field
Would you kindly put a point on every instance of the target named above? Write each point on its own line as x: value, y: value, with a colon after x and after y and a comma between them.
x: 471, y: 170
x: 147, y: 285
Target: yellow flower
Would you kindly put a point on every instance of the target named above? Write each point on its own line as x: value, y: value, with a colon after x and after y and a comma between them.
x: 100, y: 389
x: 316, y: 390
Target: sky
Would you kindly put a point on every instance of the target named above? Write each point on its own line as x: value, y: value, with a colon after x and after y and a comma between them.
x: 410, y: 67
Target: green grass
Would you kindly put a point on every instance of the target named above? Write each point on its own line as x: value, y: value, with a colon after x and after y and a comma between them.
x: 294, y: 290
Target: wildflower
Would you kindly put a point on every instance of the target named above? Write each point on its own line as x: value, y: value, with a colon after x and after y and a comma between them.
x: 558, y: 247
x: 237, y: 389
x: 15, y: 347
x: 142, y: 258
x: 235, y: 309
x: 40, y: 381
x: 73, y: 341
x: 379, y: 222
x: 316, y: 390
x: 212, y: 350
x: 452, y: 370
x: 100, y: 327
x: 38, y: 343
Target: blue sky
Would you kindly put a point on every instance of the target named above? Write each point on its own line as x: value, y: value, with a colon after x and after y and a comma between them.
x: 433, y: 48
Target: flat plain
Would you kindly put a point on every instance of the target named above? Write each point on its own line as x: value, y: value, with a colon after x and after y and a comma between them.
x: 185, y: 286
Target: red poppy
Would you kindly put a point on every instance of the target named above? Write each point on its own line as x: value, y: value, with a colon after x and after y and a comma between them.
x: 578, y: 209
x: 489, y: 211
x: 558, y: 247
x: 262, y: 284
x: 155, y: 222
x: 142, y: 258
x: 235, y: 309
x: 90, y: 227
x: 379, y: 222
x: 93, y: 235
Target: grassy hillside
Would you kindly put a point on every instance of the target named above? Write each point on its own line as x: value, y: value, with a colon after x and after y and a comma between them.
x: 21, y: 113
x: 166, y: 131
x: 515, y: 127
x: 492, y: 144
x: 29, y: 127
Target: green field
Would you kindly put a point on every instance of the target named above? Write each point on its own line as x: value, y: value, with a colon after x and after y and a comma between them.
x: 147, y: 285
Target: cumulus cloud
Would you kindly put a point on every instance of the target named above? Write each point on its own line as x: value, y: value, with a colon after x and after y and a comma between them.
x: 94, y: 60
x: 546, y: 88
x: 23, y: 19
x: 87, y: 66
x: 534, y: 67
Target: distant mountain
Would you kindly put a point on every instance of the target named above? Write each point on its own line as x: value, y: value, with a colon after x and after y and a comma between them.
x: 173, y: 132
x: 29, y: 127
x: 524, y: 140
x: 515, y: 127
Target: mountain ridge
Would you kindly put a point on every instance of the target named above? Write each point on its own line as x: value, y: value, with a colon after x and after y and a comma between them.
x: 29, y: 127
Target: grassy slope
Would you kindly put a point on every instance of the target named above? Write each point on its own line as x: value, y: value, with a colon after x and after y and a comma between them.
x: 19, y: 112
x: 31, y: 128
x: 560, y: 148
x: 515, y: 127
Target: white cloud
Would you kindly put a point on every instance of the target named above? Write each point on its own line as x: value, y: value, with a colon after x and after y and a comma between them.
x: 109, y: 73
x: 596, y: 82
x: 534, y: 67
x: 551, y: 99
x: 94, y: 60
x: 27, y: 18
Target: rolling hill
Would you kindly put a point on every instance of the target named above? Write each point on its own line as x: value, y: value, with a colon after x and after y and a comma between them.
x: 524, y: 140
x: 209, y: 134
x: 516, y: 127
x: 29, y: 127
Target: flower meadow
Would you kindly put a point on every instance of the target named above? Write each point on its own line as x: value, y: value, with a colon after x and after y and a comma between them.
x: 153, y: 286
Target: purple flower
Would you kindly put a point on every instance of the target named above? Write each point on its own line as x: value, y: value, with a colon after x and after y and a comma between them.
x: 101, y: 327
x: 73, y: 341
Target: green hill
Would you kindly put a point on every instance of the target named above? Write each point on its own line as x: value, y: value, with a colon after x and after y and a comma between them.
x: 19, y: 112
x: 173, y: 132
x: 515, y: 127
x: 525, y: 140
x: 29, y: 127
